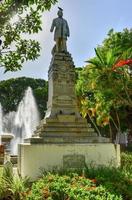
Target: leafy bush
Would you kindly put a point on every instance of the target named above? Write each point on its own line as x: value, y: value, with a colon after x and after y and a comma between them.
x: 114, y: 180
x: 126, y: 161
x: 118, y: 180
x: 72, y: 187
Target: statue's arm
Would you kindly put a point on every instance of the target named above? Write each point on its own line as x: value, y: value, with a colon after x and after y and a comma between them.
x: 68, y: 31
x: 52, y: 26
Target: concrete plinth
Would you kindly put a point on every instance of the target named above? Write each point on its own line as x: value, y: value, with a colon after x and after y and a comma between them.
x: 36, y: 157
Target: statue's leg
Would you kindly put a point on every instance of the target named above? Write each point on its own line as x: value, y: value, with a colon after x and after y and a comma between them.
x: 64, y: 47
x: 57, y: 45
x: 60, y: 44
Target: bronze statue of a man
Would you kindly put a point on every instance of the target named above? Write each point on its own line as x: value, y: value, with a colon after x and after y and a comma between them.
x: 61, y: 32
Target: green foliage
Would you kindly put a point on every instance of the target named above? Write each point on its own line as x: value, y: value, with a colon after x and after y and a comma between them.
x: 13, y: 187
x: 116, y: 181
x: 120, y: 40
x: 77, y: 72
x: 55, y: 187
x: 12, y: 92
x: 129, y: 147
x: 126, y: 161
x: 105, y: 92
x: 15, y: 49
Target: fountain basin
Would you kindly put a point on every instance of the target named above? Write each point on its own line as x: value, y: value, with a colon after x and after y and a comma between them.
x: 6, y: 140
x: 6, y: 137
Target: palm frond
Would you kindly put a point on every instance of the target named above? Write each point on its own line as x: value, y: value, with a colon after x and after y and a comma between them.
x: 100, y: 55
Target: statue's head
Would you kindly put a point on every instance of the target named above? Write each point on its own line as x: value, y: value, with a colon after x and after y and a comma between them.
x: 60, y: 12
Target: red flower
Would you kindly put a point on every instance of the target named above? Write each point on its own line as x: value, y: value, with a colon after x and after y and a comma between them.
x: 121, y: 63
x: 93, y: 180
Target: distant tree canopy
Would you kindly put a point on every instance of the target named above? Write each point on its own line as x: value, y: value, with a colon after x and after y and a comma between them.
x: 122, y: 41
x: 105, y: 84
x: 12, y: 92
x: 15, y: 48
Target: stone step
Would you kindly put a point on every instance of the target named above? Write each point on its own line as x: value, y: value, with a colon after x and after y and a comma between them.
x: 67, y: 134
x: 63, y: 140
x: 54, y: 131
x: 86, y: 139
x: 68, y: 129
x: 56, y: 120
x: 65, y: 124
x: 64, y: 127
x: 63, y: 130
x: 69, y: 125
x: 37, y: 140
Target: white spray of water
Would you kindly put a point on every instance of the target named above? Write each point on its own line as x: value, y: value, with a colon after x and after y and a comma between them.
x: 8, y: 122
x: 26, y: 120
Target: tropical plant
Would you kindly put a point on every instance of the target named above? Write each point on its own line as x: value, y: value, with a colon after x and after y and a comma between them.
x: 105, y: 86
x: 13, y: 186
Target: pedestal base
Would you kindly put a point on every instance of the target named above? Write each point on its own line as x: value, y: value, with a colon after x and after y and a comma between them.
x: 36, y: 157
x: 65, y: 129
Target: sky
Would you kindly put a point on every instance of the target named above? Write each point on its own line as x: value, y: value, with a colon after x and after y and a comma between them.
x: 89, y: 22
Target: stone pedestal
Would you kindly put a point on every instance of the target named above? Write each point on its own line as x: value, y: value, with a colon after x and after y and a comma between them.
x: 62, y: 122
x: 35, y: 158
x: 63, y: 136
x: 61, y: 93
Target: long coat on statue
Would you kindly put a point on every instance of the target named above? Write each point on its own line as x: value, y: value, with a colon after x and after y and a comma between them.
x: 61, y: 28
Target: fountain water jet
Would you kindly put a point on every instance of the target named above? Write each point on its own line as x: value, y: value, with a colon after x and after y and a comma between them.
x: 25, y: 121
x: 16, y: 126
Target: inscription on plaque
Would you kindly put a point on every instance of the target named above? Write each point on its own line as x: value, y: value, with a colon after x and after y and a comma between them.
x: 73, y: 161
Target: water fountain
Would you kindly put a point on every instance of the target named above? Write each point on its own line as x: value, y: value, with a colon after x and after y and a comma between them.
x: 22, y: 123
x: 25, y: 121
